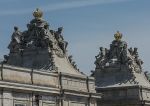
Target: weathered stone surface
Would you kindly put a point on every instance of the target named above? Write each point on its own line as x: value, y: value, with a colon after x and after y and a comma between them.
x: 16, y: 75
x: 45, y: 79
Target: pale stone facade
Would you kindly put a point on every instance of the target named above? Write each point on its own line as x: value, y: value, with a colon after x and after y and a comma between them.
x: 38, y: 71
x: 27, y: 87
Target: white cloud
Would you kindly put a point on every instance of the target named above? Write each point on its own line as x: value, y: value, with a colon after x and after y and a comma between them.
x: 60, y: 6
x: 77, y: 4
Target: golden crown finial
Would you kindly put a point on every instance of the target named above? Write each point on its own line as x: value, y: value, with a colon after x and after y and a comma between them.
x: 118, y: 36
x: 38, y: 13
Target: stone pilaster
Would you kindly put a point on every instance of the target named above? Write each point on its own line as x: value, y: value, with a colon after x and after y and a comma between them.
x: 7, y: 98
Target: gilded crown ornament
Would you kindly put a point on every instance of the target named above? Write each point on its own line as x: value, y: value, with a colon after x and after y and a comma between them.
x: 38, y: 13
x: 118, y: 36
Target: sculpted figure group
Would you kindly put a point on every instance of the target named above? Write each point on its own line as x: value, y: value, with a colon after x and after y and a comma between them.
x: 38, y: 35
x: 119, y: 54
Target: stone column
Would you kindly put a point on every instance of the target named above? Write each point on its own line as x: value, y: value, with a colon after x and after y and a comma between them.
x: 7, y: 98
x: 40, y: 103
x: 92, y: 102
x: 1, y: 98
x: 31, y: 100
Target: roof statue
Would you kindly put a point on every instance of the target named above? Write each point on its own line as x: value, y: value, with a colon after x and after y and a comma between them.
x: 119, y: 67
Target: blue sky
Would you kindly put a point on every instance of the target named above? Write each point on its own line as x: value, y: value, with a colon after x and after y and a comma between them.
x: 88, y: 24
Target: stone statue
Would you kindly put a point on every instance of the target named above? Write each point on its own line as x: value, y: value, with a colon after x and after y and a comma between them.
x: 74, y: 65
x: 100, y: 58
x: 130, y: 51
x: 138, y: 61
x: 70, y: 58
x: 106, y: 52
x: 124, y: 58
x: 49, y: 36
x: 135, y: 51
x: 101, y: 53
x: 16, y: 40
x: 45, y: 37
x: 6, y: 57
x: 62, y: 44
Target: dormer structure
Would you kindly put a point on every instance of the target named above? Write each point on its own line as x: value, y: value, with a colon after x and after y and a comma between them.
x: 39, y: 72
x: 119, y: 75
